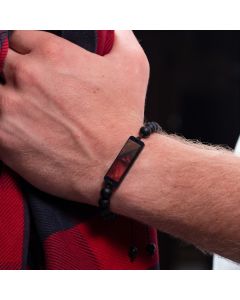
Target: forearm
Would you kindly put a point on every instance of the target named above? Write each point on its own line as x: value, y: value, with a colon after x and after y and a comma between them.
x: 187, y: 190
x: 179, y: 188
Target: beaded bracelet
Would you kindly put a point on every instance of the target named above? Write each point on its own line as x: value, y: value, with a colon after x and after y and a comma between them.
x: 122, y: 165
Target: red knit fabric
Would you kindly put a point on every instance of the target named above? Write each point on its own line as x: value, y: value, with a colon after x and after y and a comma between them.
x: 91, y: 243
x: 105, y: 39
x: 11, y: 222
x: 3, y: 47
x: 93, y: 250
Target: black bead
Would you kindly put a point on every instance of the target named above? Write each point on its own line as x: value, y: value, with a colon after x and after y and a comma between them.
x: 133, y: 252
x: 103, y: 203
x: 106, y: 193
x: 153, y: 127
x: 157, y: 127
x: 145, y: 131
x: 150, y: 125
x: 151, y: 248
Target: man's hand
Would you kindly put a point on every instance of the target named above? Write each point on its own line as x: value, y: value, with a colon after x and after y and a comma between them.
x: 65, y: 112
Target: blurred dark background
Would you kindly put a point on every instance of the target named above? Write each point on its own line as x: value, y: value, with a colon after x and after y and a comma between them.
x: 194, y: 91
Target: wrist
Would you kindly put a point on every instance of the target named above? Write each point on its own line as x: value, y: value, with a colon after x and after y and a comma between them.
x: 101, y: 154
x: 139, y: 182
x: 123, y: 163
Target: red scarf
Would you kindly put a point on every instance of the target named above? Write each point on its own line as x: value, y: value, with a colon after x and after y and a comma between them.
x: 38, y: 231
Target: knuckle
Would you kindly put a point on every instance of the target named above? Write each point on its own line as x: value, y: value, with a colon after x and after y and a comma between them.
x: 50, y: 48
x: 10, y: 106
x: 23, y: 72
x: 18, y: 66
x: 7, y: 104
x: 4, y: 107
x: 3, y: 104
x: 139, y: 62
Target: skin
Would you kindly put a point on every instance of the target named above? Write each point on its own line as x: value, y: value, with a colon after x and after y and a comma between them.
x: 65, y: 113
